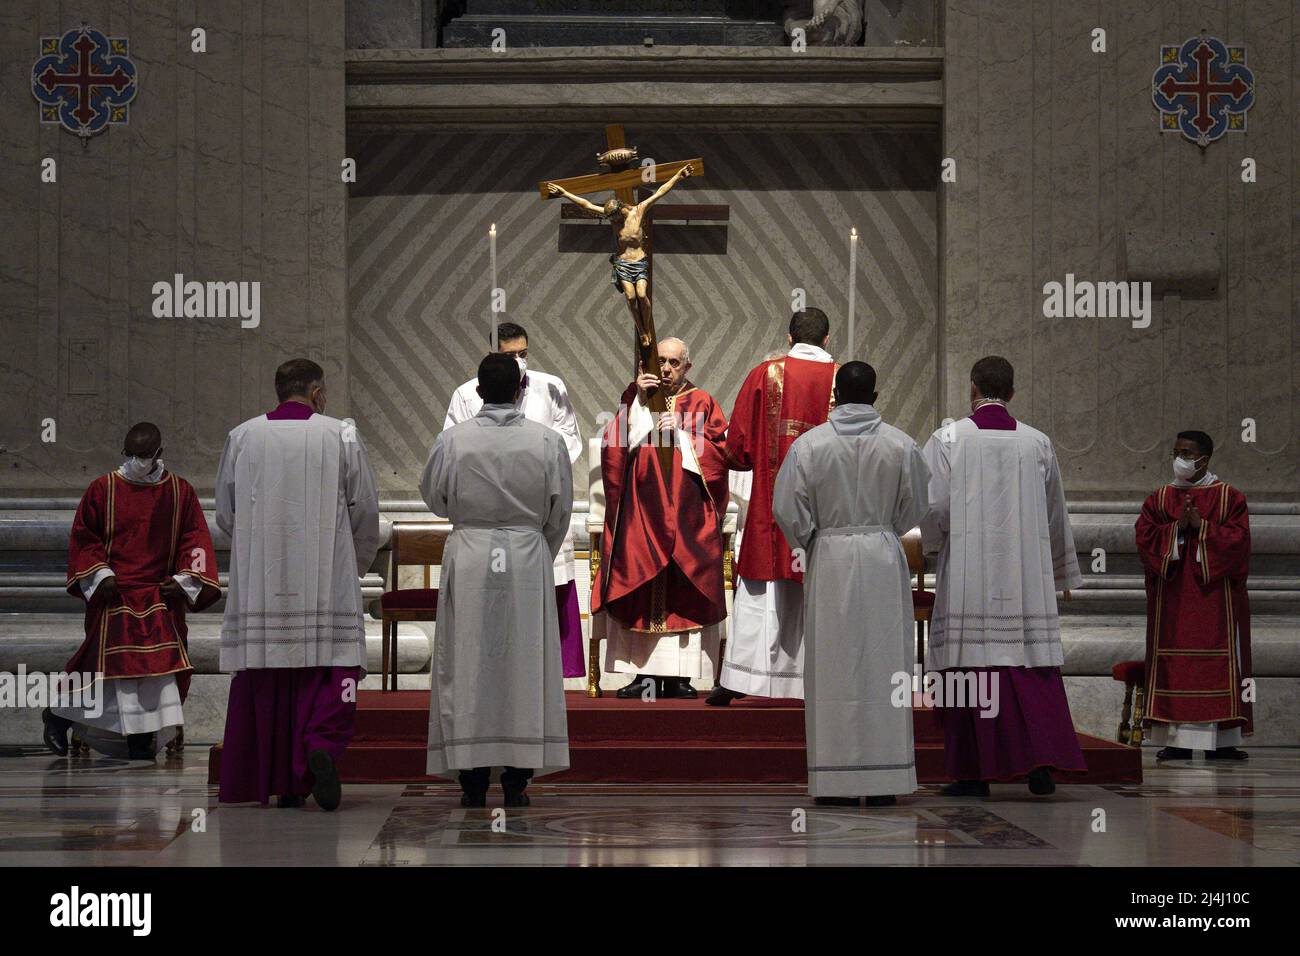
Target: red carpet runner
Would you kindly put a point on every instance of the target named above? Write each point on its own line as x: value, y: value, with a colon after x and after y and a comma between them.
x: 669, y: 741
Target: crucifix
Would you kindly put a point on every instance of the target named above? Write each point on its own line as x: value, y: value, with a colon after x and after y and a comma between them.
x: 632, y: 219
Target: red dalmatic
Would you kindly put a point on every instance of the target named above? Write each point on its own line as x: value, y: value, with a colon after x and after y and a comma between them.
x: 778, y: 402
x: 661, y: 552
x: 1198, y: 618
x: 144, y: 534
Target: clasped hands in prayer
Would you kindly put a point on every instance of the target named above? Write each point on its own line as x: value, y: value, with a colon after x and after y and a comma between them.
x: 1190, y: 517
x: 110, y: 593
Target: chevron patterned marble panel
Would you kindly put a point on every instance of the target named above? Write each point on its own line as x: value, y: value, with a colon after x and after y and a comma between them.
x: 419, y: 269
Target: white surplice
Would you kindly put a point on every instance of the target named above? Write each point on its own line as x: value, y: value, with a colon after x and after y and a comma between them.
x: 497, y: 698
x: 845, y: 493
x: 999, y: 524
x: 764, y: 656
x: 544, y: 399
x: 298, y: 500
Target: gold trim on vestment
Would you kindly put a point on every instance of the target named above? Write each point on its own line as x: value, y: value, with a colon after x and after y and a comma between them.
x: 773, y: 391
x: 108, y: 520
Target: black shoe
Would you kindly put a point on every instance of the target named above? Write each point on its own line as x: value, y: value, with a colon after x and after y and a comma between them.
x: 326, y: 790
x: 516, y: 798
x: 721, y: 697
x: 473, y: 799
x: 141, y: 747
x: 177, y: 744
x: 965, y: 788
x: 290, y: 802
x: 681, y: 687
x: 1173, y: 753
x: 1040, y: 782
x: 1227, y: 753
x: 882, y: 800
x: 836, y: 801
x: 55, y: 732
x: 636, y: 688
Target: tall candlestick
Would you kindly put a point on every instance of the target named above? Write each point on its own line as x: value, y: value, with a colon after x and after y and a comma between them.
x: 853, y: 285
x: 492, y: 296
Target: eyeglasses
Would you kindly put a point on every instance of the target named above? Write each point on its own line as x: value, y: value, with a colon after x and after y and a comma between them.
x: 522, y: 353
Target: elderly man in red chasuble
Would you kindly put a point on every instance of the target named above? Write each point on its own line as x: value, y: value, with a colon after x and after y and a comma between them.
x: 1193, y: 536
x: 658, y: 593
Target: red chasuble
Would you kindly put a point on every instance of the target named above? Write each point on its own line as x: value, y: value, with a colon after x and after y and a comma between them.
x: 778, y: 402
x: 661, y: 552
x: 144, y: 534
x: 1198, y: 618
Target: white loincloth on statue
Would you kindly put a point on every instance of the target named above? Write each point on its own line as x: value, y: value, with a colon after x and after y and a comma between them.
x: 1195, y: 736
x: 765, y: 644
x: 140, y: 705
x: 692, y: 654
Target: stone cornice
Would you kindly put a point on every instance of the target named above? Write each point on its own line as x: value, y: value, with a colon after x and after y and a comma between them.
x: 718, y: 88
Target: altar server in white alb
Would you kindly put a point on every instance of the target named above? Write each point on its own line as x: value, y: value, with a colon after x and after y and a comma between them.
x: 497, y: 700
x: 297, y: 497
x: 845, y: 493
x: 999, y: 524
x: 544, y: 399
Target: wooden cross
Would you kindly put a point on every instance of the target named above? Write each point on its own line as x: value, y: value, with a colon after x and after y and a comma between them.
x: 623, y: 183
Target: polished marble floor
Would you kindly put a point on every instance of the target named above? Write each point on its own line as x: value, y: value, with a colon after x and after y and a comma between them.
x: 99, y: 811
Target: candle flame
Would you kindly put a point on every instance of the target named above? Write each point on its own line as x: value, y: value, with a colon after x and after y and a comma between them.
x: 493, y: 230
x: 853, y: 232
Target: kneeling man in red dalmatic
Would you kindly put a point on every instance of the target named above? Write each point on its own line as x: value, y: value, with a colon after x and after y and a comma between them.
x: 1194, y: 540
x: 140, y: 556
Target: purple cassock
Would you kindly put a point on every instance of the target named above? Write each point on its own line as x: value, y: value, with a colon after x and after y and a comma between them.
x: 277, y: 716
x: 1033, y: 727
x: 566, y: 603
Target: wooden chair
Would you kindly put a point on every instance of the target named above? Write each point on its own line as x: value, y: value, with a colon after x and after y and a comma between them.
x: 412, y: 542
x: 922, y: 600
x: 1133, y: 675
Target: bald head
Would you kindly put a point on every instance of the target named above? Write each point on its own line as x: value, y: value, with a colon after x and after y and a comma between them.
x: 143, y: 440
x: 855, y: 384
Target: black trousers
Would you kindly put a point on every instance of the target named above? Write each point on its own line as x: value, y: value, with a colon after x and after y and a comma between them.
x: 512, y: 778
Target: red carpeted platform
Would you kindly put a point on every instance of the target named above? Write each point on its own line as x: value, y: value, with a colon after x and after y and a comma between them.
x: 668, y: 741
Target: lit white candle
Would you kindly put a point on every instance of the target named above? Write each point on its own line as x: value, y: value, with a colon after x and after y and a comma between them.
x: 492, y: 295
x: 853, y: 285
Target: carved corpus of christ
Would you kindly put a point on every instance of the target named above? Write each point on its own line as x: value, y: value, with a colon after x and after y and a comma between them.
x: 629, y: 262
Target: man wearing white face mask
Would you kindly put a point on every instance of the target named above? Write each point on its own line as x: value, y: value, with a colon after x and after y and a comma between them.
x: 140, y: 555
x: 544, y: 399
x: 1193, y: 537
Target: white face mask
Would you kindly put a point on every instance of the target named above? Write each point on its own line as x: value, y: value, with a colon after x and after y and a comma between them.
x: 1184, y: 469
x: 141, y: 469
x: 523, y: 365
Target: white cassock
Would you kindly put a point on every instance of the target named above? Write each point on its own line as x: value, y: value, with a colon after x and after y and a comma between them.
x: 298, y: 499
x: 545, y: 400
x: 999, y: 524
x: 845, y: 493
x: 497, y: 697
